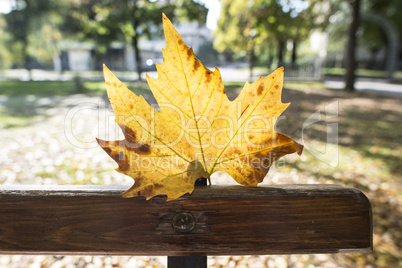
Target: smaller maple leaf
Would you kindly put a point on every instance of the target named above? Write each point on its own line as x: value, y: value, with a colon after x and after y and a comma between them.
x: 198, y: 130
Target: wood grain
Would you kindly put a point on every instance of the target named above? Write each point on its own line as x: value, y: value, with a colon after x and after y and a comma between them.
x: 231, y: 220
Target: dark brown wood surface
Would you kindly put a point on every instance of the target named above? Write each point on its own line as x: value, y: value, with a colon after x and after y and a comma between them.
x: 283, y: 219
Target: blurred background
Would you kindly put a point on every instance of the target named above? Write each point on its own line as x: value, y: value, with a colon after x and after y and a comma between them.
x: 343, y: 75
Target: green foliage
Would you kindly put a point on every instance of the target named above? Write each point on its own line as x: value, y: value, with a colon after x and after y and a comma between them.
x: 43, y: 41
x: 107, y: 21
x: 37, y: 27
x: 268, y: 23
x: 62, y: 88
x: 5, y: 53
x: 32, y: 27
x: 371, y: 35
x: 13, y: 88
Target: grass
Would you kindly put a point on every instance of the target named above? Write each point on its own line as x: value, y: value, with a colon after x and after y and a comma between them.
x: 236, y: 87
x: 338, y: 72
x: 53, y: 88
x: 21, y: 105
x: 361, y: 73
x: 37, y: 88
x: 11, y: 121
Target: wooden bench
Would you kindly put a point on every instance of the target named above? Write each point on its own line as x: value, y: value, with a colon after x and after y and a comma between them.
x: 214, y: 220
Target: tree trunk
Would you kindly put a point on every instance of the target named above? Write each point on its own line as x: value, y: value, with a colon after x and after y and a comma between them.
x: 26, y: 58
x: 294, y: 53
x: 371, y: 62
x: 351, y: 49
x: 137, y: 50
x: 270, y: 58
x: 251, y: 62
x: 281, y: 47
x: 384, y: 61
x: 137, y: 56
x: 99, y: 59
x: 28, y: 67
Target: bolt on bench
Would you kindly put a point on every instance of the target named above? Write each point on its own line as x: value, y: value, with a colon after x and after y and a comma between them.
x: 214, y: 220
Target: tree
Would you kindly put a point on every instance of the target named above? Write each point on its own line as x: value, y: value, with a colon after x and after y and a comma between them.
x: 382, y: 24
x: 351, y: 47
x: 306, y: 17
x: 373, y: 38
x: 274, y: 22
x: 128, y: 20
x: 385, y: 15
x: 23, y: 23
x: 239, y: 33
x: 5, y: 40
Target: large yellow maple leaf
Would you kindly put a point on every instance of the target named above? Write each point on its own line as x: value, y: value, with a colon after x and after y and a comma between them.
x: 198, y: 130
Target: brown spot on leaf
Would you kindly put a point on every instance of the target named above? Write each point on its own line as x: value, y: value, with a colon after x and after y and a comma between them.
x: 208, y: 76
x: 129, y: 134
x: 158, y: 186
x: 124, y: 166
x: 268, y: 141
x: 137, y: 181
x: 115, y: 156
x: 131, y: 106
x: 180, y: 42
x: 276, y: 86
x: 260, y: 89
x: 107, y: 150
x: 143, y: 149
x: 121, y: 160
x: 197, y: 65
x: 250, y: 177
x: 147, y: 190
x: 189, y: 53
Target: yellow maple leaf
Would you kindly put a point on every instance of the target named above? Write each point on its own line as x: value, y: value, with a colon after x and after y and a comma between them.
x: 198, y: 130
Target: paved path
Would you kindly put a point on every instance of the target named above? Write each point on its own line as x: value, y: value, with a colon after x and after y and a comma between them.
x: 377, y: 86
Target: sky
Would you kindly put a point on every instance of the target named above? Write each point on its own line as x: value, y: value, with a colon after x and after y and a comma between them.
x: 6, y: 6
x: 214, y: 12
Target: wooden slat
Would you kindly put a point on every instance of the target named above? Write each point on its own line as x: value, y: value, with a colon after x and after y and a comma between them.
x: 93, y: 220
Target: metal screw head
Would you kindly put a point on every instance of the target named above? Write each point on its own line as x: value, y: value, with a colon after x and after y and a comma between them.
x: 183, y: 222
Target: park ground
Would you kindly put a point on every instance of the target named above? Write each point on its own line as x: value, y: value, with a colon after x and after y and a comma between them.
x: 47, y: 132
